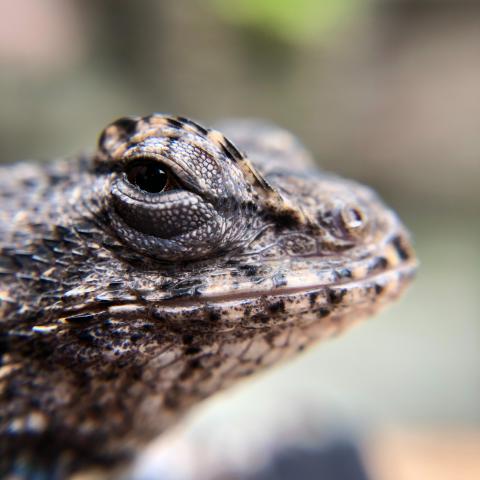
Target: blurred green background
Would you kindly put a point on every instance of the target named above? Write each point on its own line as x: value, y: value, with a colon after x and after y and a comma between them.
x: 384, y: 91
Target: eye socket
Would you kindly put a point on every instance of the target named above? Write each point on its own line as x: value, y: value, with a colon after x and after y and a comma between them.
x: 149, y: 175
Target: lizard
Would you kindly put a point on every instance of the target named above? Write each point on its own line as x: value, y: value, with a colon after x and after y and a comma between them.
x: 169, y: 263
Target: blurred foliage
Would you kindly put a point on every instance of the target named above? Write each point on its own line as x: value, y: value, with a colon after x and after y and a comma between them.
x: 295, y: 21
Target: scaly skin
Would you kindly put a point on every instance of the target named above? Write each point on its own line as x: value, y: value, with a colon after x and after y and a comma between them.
x: 122, y: 307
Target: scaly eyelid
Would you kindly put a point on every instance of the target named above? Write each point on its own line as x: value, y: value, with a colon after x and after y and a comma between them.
x: 182, y: 177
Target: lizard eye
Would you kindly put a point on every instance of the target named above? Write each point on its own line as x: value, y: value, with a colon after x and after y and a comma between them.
x: 149, y: 175
x: 173, y: 190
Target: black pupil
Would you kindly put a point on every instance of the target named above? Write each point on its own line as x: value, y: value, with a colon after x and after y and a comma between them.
x: 148, y: 176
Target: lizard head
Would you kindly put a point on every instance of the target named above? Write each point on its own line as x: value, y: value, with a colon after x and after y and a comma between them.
x: 170, y: 263
x: 244, y: 224
x: 203, y: 249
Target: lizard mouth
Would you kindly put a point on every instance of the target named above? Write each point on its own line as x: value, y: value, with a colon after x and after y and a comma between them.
x: 306, y: 288
x: 296, y: 274
x: 267, y: 291
x: 378, y: 282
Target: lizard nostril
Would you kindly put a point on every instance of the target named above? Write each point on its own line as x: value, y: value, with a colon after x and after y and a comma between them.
x: 344, y: 221
x: 353, y: 218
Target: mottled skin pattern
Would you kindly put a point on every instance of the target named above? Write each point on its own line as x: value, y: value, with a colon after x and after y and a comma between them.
x: 128, y: 295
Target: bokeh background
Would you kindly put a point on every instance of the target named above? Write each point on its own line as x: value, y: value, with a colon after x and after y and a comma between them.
x: 385, y: 91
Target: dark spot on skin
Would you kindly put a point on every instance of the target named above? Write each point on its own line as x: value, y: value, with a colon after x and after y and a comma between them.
x: 312, y: 298
x: 277, y: 307
x: 190, y: 368
x: 228, y: 154
x: 270, y: 337
x: 29, y: 182
x: 174, y: 123
x: 127, y: 125
x: 279, y: 280
x: 323, y: 312
x: 344, y: 273
x: 192, y: 350
x: 213, y: 316
x: 112, y: 375
x: 195, y: 364
x: 301, y: 348
x: 136, y: 373
x: 55, y: 179
x: 86, y: 337
x: 62, y: 232
x: 336, y: 296
x: 80, y: 318
x: 173, y: 139
x: 230, y: 150
x: 193, y: 124
x: 249, y: 270
x: 135, y: 337
x: 171, y: 399
x: 261, y: 317
x: 378, y: 288
x: 285, y: 220
x: 378, y: 264
x: 232, y: 263
x: 249, y: 206
x: 402, y: 252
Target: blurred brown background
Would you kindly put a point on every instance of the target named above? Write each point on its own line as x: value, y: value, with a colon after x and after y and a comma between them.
x: 385, y: 91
